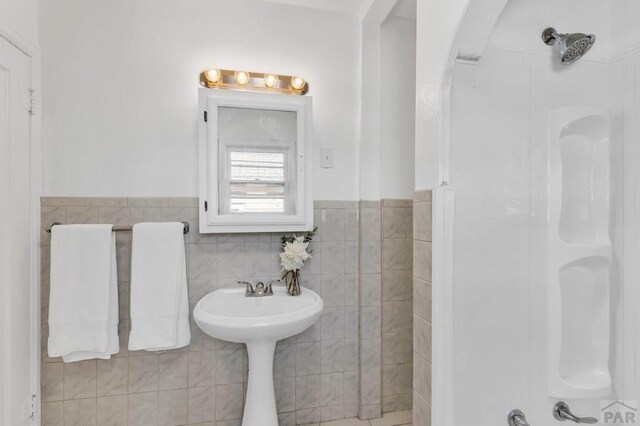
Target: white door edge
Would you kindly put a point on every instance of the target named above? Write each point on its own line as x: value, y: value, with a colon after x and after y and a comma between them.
x: 35, y: 164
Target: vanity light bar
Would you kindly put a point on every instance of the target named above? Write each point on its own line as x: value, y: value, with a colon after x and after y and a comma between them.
x: 215, y: 78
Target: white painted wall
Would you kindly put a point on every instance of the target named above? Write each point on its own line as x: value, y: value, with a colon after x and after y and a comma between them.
x: 21, y: 17
x: 371, y: 99
x: 438, y: 23
x: 356, y: 7
x: 371, y: 112
x: 120, y: 82
x: 398, y: 62
x: 387, y: 109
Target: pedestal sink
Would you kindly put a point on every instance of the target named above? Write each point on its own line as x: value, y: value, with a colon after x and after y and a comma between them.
x: 259, y: 322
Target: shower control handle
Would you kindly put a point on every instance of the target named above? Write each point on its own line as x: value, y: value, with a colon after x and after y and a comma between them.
x: 517, y: 418
x: 561, y: 412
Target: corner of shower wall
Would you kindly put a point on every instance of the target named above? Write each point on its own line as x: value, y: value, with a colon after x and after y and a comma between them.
x: 397, y: 304
x: 422, y: 307
x: 385, y: 303
x: 579, y: 252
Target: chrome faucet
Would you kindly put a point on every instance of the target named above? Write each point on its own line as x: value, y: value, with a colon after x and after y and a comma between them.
x: 269, y: 289
x: 261, y: 290
x: 250, y: 291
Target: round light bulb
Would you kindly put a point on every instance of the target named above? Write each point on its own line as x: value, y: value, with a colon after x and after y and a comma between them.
x: 242, y: 77
x: 213, y: 75
x: 271, y: 80
x: 297, y: 83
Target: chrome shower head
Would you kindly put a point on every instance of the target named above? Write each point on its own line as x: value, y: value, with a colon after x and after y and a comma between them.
x: 570, y: 47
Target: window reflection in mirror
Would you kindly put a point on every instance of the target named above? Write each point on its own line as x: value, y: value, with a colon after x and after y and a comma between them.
x: 257, y: 161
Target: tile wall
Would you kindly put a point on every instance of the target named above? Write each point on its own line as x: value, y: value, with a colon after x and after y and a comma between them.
x: 422, y: 239
x: 370, y: 309
x: 316, y: 373
x: 397, y: 305
x: 386, y: 246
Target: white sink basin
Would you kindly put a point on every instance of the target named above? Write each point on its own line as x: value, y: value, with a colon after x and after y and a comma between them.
x: 259, y: 322
x: 227, y: 314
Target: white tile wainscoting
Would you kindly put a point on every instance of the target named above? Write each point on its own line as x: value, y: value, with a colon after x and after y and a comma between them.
x: 316, y: 373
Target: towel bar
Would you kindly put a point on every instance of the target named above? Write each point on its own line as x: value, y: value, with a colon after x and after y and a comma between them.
x: 116, y: 228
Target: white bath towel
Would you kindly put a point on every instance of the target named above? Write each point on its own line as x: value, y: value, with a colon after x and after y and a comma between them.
x: 159, y: 295
x: 83, y: 304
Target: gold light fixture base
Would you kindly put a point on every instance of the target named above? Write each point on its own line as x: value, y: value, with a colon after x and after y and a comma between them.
x: 227, y: 79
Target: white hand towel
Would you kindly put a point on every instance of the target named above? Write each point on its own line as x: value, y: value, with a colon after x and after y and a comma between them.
x: 83, y: 304
x: 159, y: 295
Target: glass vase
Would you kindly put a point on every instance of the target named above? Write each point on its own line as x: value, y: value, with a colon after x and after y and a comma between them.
x: 292, y: 279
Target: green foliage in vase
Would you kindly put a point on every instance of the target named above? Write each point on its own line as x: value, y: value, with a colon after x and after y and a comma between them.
x: 308, y: 236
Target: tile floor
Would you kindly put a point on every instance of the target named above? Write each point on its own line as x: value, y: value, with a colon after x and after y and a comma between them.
x: 398, y: 418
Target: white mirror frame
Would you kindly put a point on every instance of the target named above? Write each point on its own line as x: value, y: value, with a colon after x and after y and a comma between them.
x: 211, y: 221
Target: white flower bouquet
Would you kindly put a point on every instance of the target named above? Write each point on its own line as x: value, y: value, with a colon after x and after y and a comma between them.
x: 294, y: 253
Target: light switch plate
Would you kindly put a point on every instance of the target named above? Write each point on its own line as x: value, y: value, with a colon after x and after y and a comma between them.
x: 326, y: 158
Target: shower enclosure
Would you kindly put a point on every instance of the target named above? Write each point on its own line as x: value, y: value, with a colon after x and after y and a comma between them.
x: 542, y: 217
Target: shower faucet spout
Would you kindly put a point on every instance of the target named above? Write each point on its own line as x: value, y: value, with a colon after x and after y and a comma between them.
x: 562, y: 412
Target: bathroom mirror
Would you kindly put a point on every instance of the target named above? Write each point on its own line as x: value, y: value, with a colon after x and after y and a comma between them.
x: 255, y: 162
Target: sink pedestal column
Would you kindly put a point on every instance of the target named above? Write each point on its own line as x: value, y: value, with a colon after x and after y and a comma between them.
x: 260, y: 406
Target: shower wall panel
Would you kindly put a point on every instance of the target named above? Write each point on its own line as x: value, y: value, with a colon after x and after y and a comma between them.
x: 502, y: 172
x: 579, y: 252
x: 490, y: 172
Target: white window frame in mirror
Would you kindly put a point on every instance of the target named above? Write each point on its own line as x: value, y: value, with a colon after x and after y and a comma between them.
x: 211, y: 219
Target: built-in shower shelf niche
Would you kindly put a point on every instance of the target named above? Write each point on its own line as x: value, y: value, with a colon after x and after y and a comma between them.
x: 579, y: 250
x: 584, y: 163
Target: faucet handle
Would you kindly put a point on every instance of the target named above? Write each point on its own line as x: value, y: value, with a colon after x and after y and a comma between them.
x: 269, y: 289
x: 249, y: 290
x: 562, y: 412
x: 517, y: 418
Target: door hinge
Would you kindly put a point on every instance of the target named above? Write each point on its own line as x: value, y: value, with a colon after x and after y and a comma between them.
x: 206, y: 206
x: 34, y: 406
x: 205, y: 116
x: 32, y: 102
